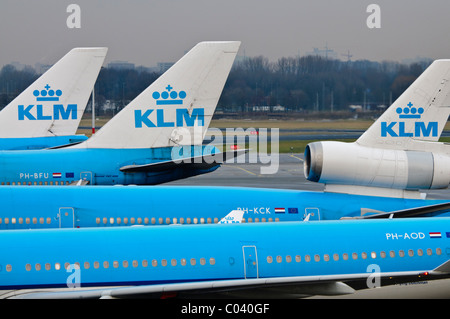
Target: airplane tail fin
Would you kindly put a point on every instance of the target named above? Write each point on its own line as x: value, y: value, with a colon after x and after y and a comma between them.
x: 419, y: 114
x: 234, y: 217
x: 177, y: 108
x: 54, y: 104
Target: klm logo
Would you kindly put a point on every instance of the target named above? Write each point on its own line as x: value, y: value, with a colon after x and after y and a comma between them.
x: 37, y: 112
x: 421, y: 129
x: 159, y: 117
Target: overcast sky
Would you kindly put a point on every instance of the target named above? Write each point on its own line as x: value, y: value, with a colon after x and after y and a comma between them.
x: 145, y: 32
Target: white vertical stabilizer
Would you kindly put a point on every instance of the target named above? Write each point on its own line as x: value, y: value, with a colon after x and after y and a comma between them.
x: 419, y: 114
x: 176, y: 107
x: 54, y: 104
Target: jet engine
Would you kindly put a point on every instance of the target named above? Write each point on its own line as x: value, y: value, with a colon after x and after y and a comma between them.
x: 352, y: 164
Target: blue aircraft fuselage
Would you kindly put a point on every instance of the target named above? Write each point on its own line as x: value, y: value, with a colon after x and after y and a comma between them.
x: 98, y: 166
x: 36, y: 143
x: 32, y: 207
x: 181, y: 254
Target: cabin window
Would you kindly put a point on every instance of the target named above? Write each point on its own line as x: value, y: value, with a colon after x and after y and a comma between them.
x: 355, y: 256
x: 13, y: 220
x: 335, y: 257
x: 168, y: 221
x: 195, y: 220
x: 164, y: 263
x: 57, y: 266
x: 288, y: 259
x: 216, y: 220
x: 135, y: 263
x: 96, y: 264
x: 20, y: 220
x: 307, y: 258
x: 8, y: 268
x: 49, y: 220
x: 48, y: 266
x: 269, y: 259
x: 419, y: 252
x: 193, y: 262
x: 438, y: 251
x: 146, y: 220
x: 154, y: 263
x: 392, y: 254
x: 326, y: 257
x: 212, y: 261
x: 316, y: 258
x: 345, y: 256
x: 125, y: 220
x: 373, y: 255
x: 111, y: 220
x: 132, y: 220
x: 160, y: 220
x: 401, y: 253
x: 202, y: 261
x: 125, y: 264
x: 209, y: 220
x: 183, y: 262
x: 6, y: 220
x: 298, y: 258
x: 173, y: 262
x: 119, y: 220
x: 429, y: 252
x: 115, y: 264
x: 410, y: 253
x: 38, y: 267
x: 364, y: 255
x: 181, y: 220
x: 105, y: 220
x: 144, y: 263
x: 383, y: 254
x: 97, y: 220
x: 86, y: 265
x: 105, y: 264
x: 27, y: 267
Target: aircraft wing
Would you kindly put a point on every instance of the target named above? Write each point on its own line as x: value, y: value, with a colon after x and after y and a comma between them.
x: 197, y: 162
x: 412, y: 212
x: 287, y: 287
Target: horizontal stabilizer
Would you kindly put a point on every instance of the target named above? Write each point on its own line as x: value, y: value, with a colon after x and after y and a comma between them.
x: 444, y: 268
x: 195, y: 162
x: 412, y: 212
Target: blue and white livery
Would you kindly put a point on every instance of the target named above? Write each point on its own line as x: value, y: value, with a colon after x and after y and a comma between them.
x: 286, y: 260
x: 48, y: 112
x: 156, y: 138
x: 400, y: 153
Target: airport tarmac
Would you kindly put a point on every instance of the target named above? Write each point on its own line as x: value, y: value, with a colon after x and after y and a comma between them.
x: 290, y: 176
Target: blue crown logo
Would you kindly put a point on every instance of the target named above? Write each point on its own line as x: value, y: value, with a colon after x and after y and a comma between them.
x: 47, y: 94
x: 410, y: 112
x: 176, y: 98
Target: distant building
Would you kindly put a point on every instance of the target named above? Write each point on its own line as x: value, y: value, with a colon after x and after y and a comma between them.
x: 121, y: 65
x: 325, y: 53
x: 266, y: 108
x: 164, y: 66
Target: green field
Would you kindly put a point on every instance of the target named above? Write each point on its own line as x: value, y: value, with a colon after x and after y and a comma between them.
x: 295, y: 146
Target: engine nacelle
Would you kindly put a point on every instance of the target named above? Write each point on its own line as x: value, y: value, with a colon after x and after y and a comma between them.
x: 352, y: 164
